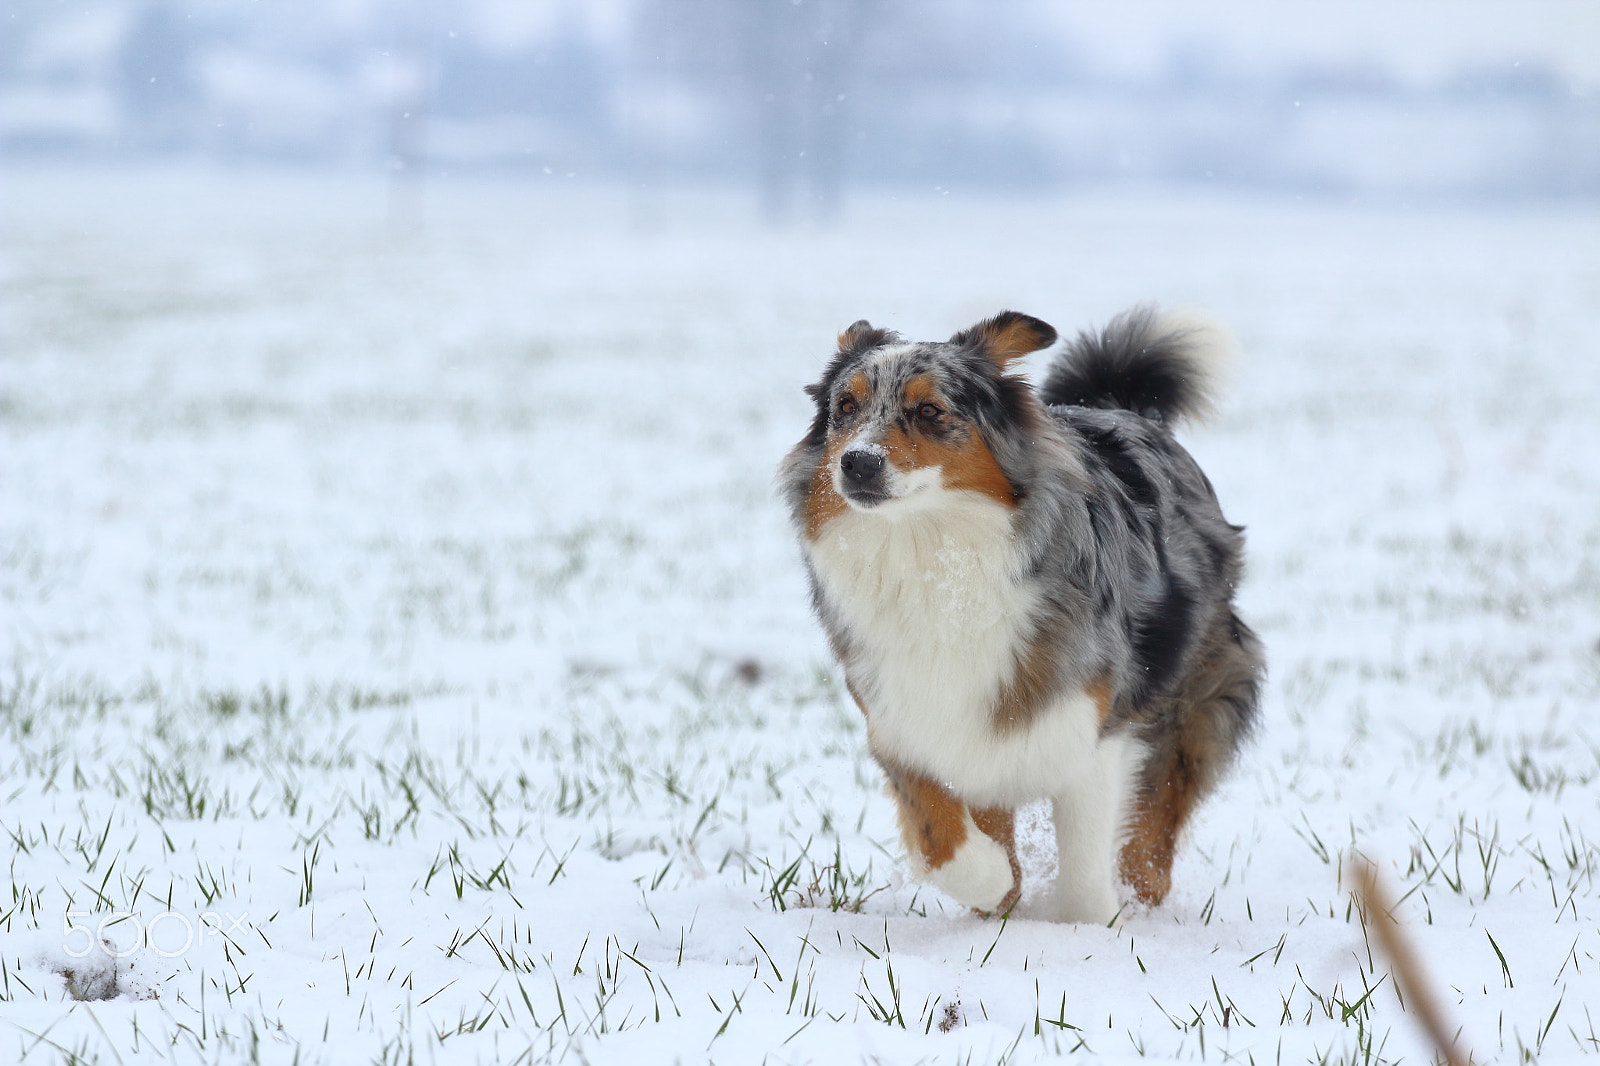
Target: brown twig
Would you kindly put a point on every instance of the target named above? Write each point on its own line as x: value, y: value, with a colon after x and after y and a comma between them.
x: 1404, y: 965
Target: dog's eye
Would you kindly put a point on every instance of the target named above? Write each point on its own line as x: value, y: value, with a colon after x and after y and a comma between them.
x: 929, y: 411
x: 846, y: 406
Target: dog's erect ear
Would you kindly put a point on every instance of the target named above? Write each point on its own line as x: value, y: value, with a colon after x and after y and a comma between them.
x: 1007, y: 336
x: 862, y: 336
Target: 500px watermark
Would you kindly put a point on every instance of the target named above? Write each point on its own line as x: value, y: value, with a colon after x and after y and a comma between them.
x: 122, y: 933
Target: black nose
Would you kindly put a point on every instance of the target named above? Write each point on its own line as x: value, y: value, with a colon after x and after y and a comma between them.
x: 860, y: 467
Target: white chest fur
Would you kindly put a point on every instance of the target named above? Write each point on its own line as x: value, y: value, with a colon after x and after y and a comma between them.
x: 936, y: 612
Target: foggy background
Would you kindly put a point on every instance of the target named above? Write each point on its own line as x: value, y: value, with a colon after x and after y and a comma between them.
x: 802, y: 102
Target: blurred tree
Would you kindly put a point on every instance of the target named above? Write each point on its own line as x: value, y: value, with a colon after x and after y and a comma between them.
x: 799, y: 62
x: 791, y: 65
x: 155, y: 81
x: 410, y: 74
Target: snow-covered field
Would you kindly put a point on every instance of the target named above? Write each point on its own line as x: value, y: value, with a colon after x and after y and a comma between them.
x: 405, y: 659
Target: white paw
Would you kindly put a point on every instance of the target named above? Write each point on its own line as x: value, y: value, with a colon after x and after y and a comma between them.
x: 978, y: 874
x: 1093, y: 907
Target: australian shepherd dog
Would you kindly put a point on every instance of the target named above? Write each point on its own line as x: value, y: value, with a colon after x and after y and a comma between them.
x: 1030, y: 593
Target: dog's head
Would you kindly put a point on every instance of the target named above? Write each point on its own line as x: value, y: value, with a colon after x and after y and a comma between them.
x: 899, y: 424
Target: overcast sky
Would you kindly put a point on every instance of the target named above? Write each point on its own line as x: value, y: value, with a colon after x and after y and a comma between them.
x: 1421, y: 40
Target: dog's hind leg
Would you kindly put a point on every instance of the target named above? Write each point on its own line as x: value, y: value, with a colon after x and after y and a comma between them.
x: 1159, y: 814
x: 1190, y: 745
x: 969, y: 854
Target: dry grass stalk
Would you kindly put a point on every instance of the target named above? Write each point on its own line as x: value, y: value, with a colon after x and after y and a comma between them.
x: 1404, y: 965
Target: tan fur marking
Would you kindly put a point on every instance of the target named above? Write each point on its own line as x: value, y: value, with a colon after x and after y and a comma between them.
x: 1000, y: 824
x: 861, y: 335
x: 1100, y: 691
x: 1146, y: 859
x: 823, y: 502
x: 1009, y: 336
x: 1034, y: 682
x: 933, y: 824
x: 973, y: 467
x: 920, y: 389
x: 933, y: 821
x: 966, y: 461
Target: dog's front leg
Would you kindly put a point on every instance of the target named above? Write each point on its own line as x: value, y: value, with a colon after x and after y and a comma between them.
x: 1091, y: 815
x: 970, y: 854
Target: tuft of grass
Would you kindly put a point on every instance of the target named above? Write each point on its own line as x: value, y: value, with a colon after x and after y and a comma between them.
x: 832, y: 885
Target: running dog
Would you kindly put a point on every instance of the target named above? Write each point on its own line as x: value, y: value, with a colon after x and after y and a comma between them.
x: 1031, y: 595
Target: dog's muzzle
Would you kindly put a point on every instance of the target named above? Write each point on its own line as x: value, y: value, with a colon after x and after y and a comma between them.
x: 861, y: 477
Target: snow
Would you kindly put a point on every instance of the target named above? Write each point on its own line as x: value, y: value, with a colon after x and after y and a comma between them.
x: 405, y: 656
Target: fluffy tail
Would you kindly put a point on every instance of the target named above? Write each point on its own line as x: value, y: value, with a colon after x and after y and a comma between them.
x: 1161, y: 366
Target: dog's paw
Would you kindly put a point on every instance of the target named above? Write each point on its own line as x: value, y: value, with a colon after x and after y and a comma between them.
x: 1098, y: 906
x: 978, y: 874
